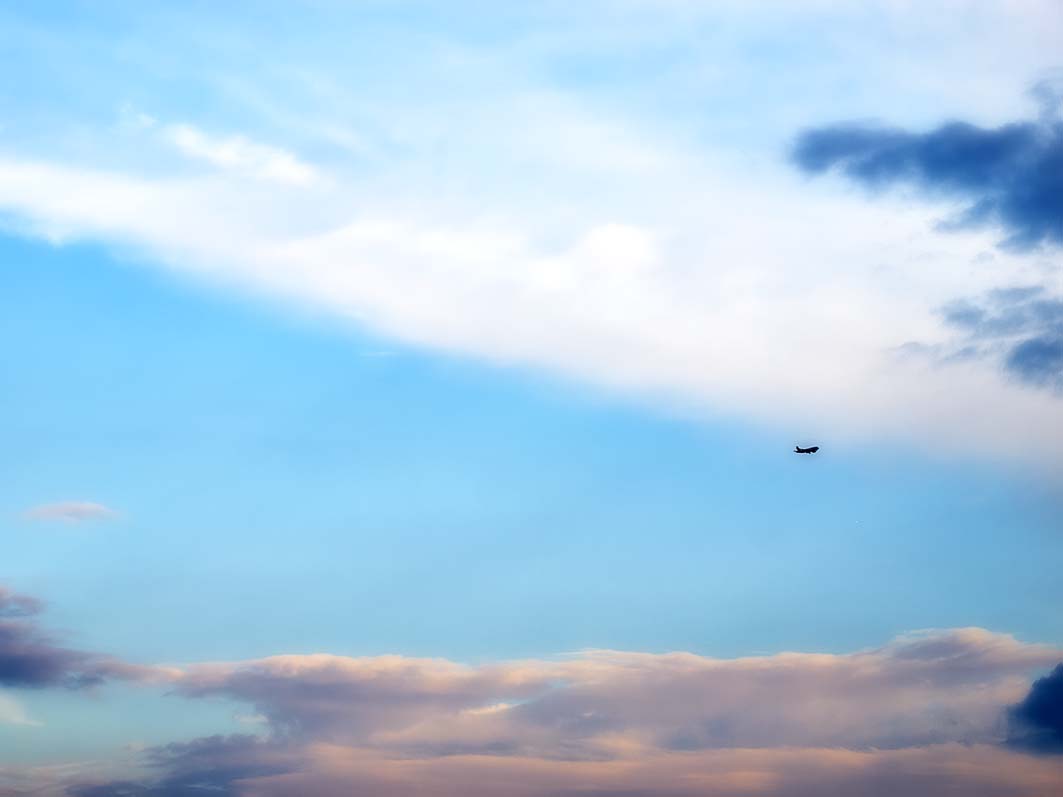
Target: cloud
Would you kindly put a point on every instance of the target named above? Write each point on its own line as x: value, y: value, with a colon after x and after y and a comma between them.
x: 932, y: 688
x: 213, y: 765
x: 619, y: 235
x: 673, y: 297
x: 241, y: 155
x: 20, y: 780
x: 14, y: 605
x: 926, y: 714
x: 1036, y: 723
x: 1012, y: 175
x: 326, y: 770
x: 71, y: 512
x: 1039, y: 360
x: 1021, y: 327
x: 12, y: 712
x: 30, y: 659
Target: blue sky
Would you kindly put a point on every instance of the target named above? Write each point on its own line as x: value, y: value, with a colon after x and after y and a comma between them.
x: 484, y: 337
x: 419, y: 504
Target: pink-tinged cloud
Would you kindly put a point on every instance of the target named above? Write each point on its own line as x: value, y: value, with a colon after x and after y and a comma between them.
x: 70, y: 512
x: 924, y: 715
x: 979, y: 771
x: 250, y: 768
x: 932, y: 688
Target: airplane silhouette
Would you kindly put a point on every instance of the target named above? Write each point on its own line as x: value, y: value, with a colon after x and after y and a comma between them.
x: 809, y: 450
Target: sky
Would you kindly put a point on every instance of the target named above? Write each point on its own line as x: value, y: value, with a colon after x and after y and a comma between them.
x: 400, y: 397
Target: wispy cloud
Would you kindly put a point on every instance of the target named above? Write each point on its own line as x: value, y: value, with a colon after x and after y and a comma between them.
x: 30, y: 658
x: 71, y: 512
x: 1020, y: 327
x: 240, y: 154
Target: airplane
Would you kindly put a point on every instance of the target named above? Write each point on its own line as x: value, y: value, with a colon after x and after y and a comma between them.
x: 809, y: 450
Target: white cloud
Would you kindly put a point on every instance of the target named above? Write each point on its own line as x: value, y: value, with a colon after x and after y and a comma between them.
x: 240, y: 155
x: 546, y: 226
x: 767, y: 299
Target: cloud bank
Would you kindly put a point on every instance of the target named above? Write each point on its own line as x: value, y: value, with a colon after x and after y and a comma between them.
x: 922, y: 715
x: 974, y: 771
x: 925, y: 689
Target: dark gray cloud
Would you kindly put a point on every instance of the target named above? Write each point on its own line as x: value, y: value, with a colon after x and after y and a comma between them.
x: 1022, y: 326
x: 1036, y: 724
x: 214, y: 765
x: 1011, y: 175
x: 30, y: 658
